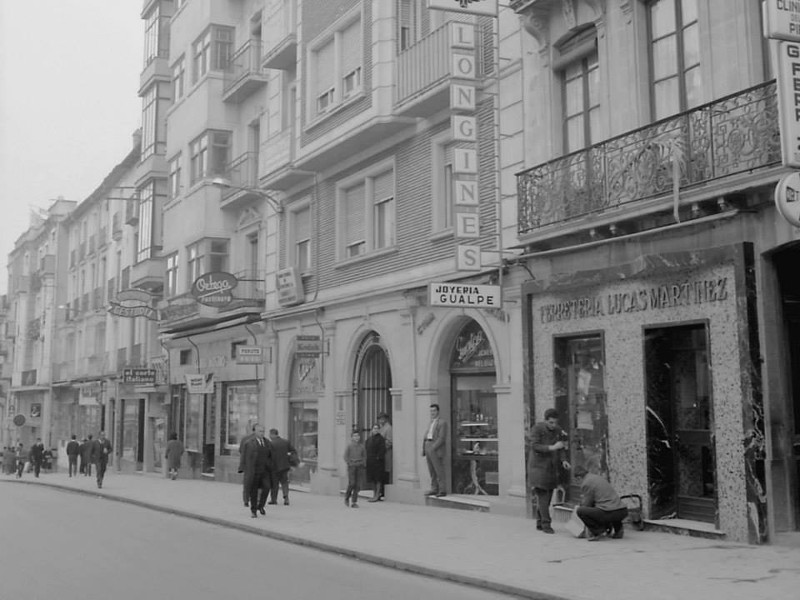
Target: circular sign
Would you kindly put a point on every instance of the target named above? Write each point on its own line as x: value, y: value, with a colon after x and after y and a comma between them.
x: 19, y: 420
x: 214, y: 288
x: 787, y: 198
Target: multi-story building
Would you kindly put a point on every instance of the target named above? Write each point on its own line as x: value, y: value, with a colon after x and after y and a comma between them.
x: 660, y: 308
x: 7, y: 409
x: 35, y: 266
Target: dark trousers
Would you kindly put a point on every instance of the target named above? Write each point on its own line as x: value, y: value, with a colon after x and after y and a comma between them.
x: 280, y: 478
x: 101, y: 471
x: 20, y: 467
x: 73, y: 465
x: 37, y: 467
x: 354, y: 473
x: 260, y: 481
x: 598, y: 520
x: 543, y: 499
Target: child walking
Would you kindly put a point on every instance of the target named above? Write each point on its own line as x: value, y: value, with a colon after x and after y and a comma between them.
x: 356, y: 458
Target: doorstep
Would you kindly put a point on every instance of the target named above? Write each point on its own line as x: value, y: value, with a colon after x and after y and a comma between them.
x: 459, y: 502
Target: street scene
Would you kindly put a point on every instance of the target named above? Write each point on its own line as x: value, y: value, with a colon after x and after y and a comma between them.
x: 474, y: 298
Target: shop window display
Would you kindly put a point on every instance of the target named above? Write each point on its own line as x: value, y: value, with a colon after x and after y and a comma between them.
x: 580, y: 398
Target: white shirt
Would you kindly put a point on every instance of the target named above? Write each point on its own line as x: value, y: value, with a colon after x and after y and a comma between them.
x: 430, y: 429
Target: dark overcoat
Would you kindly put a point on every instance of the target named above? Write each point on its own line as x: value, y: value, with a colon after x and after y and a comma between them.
x: 376, y: 458
x: 280, y: 454
x: 543, y: 463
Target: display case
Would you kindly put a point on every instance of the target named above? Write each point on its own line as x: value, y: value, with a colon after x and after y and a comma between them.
x: 475, y: 452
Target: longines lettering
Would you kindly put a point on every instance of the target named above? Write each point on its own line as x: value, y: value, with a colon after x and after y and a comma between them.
x: 654, y: 298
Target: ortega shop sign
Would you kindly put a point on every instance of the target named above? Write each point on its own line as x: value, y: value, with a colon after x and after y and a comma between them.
x: 214, y: 288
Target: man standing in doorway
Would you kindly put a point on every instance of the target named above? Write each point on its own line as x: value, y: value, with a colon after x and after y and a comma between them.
x: 548, y: 451
x: 386, y: 432
x: 73, y: 450
x: 100, y: 450
x: 433, y: 449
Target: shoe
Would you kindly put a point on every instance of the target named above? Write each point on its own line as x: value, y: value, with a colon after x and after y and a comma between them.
x: 261, y: 510
x: 272, y: 502
x: 380, y: 498
x: 618, y: 534
x: 373, y: 500
x: 286, y: 502
x: 246, y: 503
x: 253, y: 515
x: 354, y: 505
x: 99, y: 484
x: 547, y: 529
x: 538, y: 526
x: 593, y: 538
x: 347, y: 502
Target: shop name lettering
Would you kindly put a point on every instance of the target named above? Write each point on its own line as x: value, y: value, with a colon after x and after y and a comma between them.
x: 212, y: 285
x: 656, y: 298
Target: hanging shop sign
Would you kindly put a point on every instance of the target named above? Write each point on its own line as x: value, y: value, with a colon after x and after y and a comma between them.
x: 138, y: 376
x: 36, y: 410
x: 199, y: 383
x: 473, y: 7
x: 89, y: 393
x: 789, y: 102
x: 787, y: 198
x: 290, y: 287
x: 249, y: 355
x: 782, y: 20
x: 132, y: 303
x: 214, y: 288
x: 465, y: 296
x: 19, y: 420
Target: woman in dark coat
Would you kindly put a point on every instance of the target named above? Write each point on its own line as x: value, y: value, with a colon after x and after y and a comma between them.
x: 174, y: 453
x: 376, y: 461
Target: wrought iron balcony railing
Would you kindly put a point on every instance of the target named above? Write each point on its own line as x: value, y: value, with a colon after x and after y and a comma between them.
x: 244, y: 73
x: 736, y: 134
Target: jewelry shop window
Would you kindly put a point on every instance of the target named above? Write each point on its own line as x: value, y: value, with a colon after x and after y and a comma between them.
x: 580, y: 399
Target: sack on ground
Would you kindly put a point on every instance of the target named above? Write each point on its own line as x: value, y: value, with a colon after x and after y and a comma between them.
x: 575, y: 526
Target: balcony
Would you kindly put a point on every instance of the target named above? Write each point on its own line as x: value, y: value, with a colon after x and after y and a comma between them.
x: 245, y: 74
x: 280, y: 47
x: 132, y: 211
x: 279, y: 171
x: 183, y: 312
x: 242, y: 172
x: 705, y: 151
x: 148, y: 274
x: 250, y: 293
x: 424, y: 73
x: 47, y: 265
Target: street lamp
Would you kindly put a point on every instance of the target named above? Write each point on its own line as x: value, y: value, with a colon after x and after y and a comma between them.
x: 223, y: 183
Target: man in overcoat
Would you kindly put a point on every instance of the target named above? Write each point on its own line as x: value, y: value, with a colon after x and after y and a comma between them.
x: 37, y: 456
x: 73, y: 450
x: 245, y: 482
x: 99, y: 451
x: 547, y: 453
x: 257, y: 470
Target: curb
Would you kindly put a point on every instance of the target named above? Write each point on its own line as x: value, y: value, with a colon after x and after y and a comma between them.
x: 408, y: 567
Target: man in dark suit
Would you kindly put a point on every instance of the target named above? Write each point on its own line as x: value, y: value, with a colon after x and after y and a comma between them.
x: 37, y: 456
x: 245, y: 482
x: 86, y: 459
x: 73, y: 450
x: 281, y: 449
x: 433, y: 449
x: 547, y: 453
x: 257, y: 467
x: 99, y: 451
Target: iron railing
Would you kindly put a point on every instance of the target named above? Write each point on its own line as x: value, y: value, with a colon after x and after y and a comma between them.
x: 736, y: 134
x: 246, y: 62
x: 242, y: 172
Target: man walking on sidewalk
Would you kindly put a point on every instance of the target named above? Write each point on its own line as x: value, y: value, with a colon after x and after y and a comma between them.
x: 257, y: 467
x: 73, y: 449
x: 281, y: 449
x: 99, y: 451
x: 546, y: 455
x: 433, y: 449
x: 37, y: 456
x: 245, y: 482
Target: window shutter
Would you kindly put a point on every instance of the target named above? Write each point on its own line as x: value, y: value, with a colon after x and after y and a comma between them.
x: 354, y: 215
x: 302, y: 224
x: 325, y: 67
x: 351, y: 48
x: 383, y: 186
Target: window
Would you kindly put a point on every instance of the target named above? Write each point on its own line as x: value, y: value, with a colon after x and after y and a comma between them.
x: 212, y: 51
x: 581, y: 103
x: 301, y: 236
x: 154, y: 132
x: 156, y: 35
x: 174, y: 180
x: 178, y: 79
x: 336, y: 65
x: 149, y: 232
x: 205, y: 256
x: 675, y: 74
x: 209, y: 155
x: 239, y: 412
x: 171, y: 283
x: 185, y: 357
x: 367, y: 213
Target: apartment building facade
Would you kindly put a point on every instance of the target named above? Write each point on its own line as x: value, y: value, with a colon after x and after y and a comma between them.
x: 660, y: 309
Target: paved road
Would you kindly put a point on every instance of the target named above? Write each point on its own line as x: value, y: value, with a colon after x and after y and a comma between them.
x: 64, y: 546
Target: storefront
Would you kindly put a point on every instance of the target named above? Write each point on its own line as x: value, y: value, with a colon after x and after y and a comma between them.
x: 625, y: 352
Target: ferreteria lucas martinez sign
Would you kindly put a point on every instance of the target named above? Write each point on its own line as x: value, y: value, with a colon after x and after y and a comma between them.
x: 214, y: 288
x: 466, y: 296
x: 652, y: 298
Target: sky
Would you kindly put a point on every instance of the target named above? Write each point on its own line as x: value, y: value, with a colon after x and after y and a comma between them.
x: 69, y: 77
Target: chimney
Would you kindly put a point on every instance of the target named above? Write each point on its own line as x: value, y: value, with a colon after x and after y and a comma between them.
x: 137, y: 138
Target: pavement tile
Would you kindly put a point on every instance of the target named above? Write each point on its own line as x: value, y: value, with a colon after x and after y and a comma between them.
x: 494, y: 551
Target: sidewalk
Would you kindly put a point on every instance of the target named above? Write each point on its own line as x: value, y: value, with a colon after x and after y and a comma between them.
x: 493, y: 551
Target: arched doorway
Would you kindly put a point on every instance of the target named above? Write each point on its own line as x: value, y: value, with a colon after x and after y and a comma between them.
x: 475, y: 456
x: 372, y: 381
